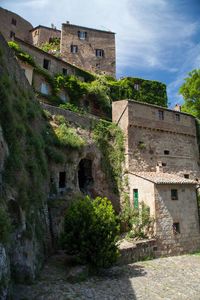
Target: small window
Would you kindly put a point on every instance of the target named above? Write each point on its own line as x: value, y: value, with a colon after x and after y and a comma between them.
x: 46, y: 64
x: 14, y: 22
x: 99, y: 52
x: 176, y: 228
x: 174, y: 194
x: 135, y: 198
x: 164, y: 164
x: 82, y: 35
x: 177, y: 117
x: 44, y: 88
x: 36, y: 32
x: 12, y: 34
x: 64, y: 71
x: 74, y: 48
x: 62, y: 180
x: 136, y: 86
x: 166, y: 152
x: 161, y: 114
x: 186, y: 176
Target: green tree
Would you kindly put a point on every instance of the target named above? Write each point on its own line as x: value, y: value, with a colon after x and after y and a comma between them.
x: 190, y: 91
x: 90, y: 231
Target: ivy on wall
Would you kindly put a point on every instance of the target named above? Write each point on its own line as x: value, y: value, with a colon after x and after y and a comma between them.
x: 100, y: 89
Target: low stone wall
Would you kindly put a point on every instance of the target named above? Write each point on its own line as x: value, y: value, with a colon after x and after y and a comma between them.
x: 81, y: 120
x: 135, y: 251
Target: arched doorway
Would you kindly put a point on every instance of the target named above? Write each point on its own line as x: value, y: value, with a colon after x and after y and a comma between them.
x: 85, y: 178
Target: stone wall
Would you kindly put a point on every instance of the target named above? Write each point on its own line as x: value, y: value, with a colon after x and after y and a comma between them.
x: 4, y: 274
x: 56, y: 65
x: 42, y: 34
x: 185, y: 212
x: 170, y: 143
x: 20, y: 28
x: 86, y: 52
x: 135, y: 251
x: 85, y: 121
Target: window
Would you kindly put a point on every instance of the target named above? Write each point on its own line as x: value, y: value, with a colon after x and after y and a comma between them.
x: 46, y: 64
x: 135, y: 198
x: 99, y: 53
x: 74, y: 48
x: 36, y: 32
x: 14, y: 22
x: 164, y: 164
x: 174, y: 194
x: 186, y: 176
x: 176, y: 228
x: 64, y: 71
x: 82, y: 35
x: 44, y: 88
x: 12, y: 34
x: 166, y: 152
x: 161, y: 114
x: 177, y: 117
x: 62, y: 180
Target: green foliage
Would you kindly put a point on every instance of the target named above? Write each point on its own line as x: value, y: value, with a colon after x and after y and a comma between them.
x: 53, y: 47
x: 137, y: 222
x: 68, y: 137
x: 72, y: 107
x: 110, y: 140
x: 5, y: 226
x: 90, y: 232
x: 190, y: 90
x: 21, y: 54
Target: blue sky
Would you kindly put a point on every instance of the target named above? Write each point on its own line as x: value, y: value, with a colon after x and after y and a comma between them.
x: 155, y: 39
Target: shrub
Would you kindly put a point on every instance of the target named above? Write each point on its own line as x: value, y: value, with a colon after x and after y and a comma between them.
x: 137, y: 222
x: 90, y: 232
x: 68, y: 137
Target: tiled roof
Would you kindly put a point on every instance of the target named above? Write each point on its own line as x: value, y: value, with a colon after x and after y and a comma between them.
x: 164, y: 178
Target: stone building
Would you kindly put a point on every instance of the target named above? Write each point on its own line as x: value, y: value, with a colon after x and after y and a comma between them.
x: 42, y: 34
x: 90, y: 49
x: 12, y: 25
x: 162, y: 165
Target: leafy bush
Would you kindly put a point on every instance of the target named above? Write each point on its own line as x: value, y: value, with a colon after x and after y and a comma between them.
x: 72, y: 107
x: 5, y: 226
x: 68, y: 137
x: 138, y: 222
x: 90, y: 232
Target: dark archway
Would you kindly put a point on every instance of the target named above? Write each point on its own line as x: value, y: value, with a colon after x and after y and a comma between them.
x: 85, y: 178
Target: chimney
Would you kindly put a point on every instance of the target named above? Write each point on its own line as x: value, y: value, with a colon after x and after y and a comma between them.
x: 67, y: 22
x: 159, y: 167
x: 177, y: 107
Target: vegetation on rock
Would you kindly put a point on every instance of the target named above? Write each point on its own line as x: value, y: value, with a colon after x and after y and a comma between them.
x: 90, y: 232
x: 5, y: 226
x: 110, y: 140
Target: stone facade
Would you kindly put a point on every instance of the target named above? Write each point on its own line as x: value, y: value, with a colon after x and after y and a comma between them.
x: 43, y: 34
x: 151, y: 142
x: 162, y: 158
x: 90, y: 49
x: 12, y: 25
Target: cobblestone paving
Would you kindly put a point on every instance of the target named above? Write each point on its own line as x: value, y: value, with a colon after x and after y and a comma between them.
x: 164, y: 278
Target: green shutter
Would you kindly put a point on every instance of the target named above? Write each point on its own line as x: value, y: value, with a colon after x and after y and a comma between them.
x: 135, y: 198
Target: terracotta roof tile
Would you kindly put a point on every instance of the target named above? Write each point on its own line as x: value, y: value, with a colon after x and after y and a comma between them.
x: 163, y: 178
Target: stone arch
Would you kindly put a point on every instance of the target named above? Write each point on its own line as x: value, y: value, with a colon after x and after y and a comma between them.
x: 85, y: 176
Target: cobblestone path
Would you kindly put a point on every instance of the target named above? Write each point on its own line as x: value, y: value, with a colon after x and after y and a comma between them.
x: 164, y: 278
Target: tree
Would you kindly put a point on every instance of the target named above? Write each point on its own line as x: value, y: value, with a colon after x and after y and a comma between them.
x: 190, y: 91
x: 90, y: 232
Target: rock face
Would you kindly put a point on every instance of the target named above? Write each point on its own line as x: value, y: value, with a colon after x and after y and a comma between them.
x: 4, y: 273
x: 36, y: 188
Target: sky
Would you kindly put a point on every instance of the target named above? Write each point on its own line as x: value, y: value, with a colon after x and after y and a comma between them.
x: 155, y: 39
